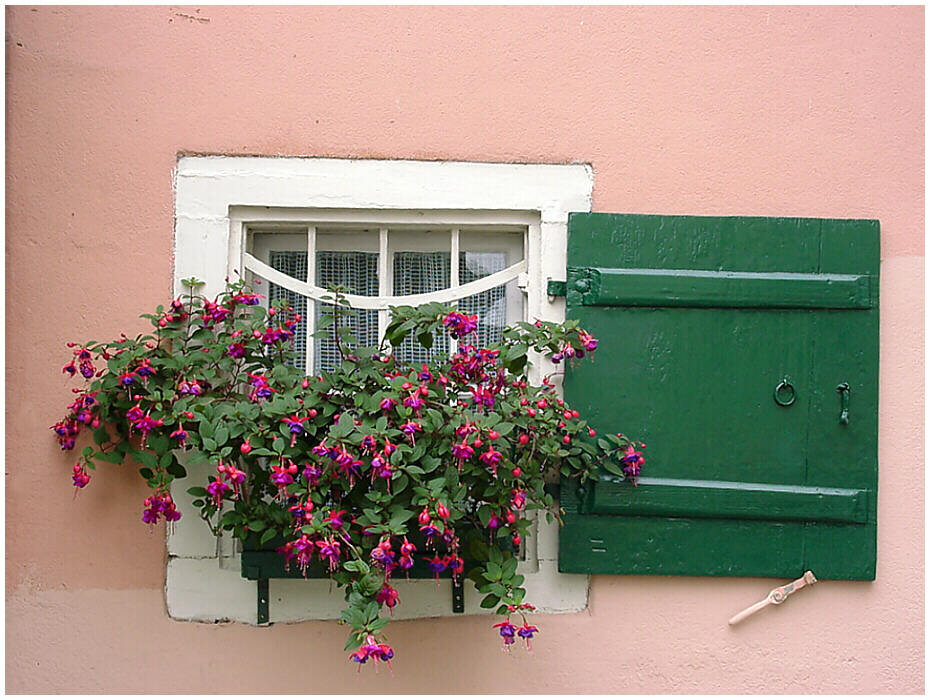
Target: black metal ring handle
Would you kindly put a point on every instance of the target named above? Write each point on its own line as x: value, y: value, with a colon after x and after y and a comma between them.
x: 785, y: 386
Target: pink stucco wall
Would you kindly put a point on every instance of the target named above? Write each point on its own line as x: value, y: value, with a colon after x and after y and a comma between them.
x: 766, y: 111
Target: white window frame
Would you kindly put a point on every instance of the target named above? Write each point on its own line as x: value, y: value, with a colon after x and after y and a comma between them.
x: 213, y: 195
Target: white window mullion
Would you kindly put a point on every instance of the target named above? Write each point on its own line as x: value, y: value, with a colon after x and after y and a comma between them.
x: 310, y: 321
x: 384, y: 282
x: 454, y: 278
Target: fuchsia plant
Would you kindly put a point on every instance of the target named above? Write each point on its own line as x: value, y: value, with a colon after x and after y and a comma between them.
x: 362, y: 470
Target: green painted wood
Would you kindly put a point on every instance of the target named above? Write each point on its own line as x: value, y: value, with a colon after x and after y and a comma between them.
x: 717, y: 289
x: 555, y: 288
x: 696, y: 383
x: 726, y: 499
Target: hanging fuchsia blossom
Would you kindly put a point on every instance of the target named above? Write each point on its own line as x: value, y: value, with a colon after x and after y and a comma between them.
x: 180, y: 436
x: 410, y: 428
x: 382, y: 554
x: 217, y: 489
x: 462, y: 451
x: 160, y: 505
x: 633, y: 462
x: 507, y: 632
x: 407, y: 550
x: 388, y: 596
x: 330, y: 551
x: 311, y: 474
x: 381, y: 468
x: 190, y: 388
x: 261, y: 389
x: 232, y: 474
x: 81, y: 477
x: 282, y: 476
x: 588, y: 340
x: 374, y: 651
x: 526, y: 634
x: 491, y: 457
x: 436, y: 564
x: 296, y: 426
x: 460, y: 324
x: 334, y: 519
x: 247, y: 299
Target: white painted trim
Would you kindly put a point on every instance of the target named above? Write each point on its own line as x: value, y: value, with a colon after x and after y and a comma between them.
x: 218, y: 196
x: 310, y: 322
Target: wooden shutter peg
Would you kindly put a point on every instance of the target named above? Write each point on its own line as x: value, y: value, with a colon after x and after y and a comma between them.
x: 776, y: 596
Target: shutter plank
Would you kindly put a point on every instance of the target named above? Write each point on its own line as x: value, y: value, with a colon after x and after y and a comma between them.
x: 726, y: 499
x: 592, y: 286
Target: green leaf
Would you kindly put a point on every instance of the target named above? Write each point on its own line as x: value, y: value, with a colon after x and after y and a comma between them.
x: 493, y: 571
x: 356, y: 565
x: 489, y: 601
x: 504, y: 428
x: 354, y: 641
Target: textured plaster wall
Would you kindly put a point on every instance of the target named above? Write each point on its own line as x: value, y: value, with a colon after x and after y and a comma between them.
x: 799, y: 111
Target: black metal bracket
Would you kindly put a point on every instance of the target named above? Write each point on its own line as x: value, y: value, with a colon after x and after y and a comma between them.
x: 458, y: 594
x: 263, y: 616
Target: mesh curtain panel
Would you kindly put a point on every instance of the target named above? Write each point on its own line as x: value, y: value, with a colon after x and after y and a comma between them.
x: 358, y: 273
x: 420, y: 273
x: 293, y: 264
x: 414, y: 273
x: 490, y: 306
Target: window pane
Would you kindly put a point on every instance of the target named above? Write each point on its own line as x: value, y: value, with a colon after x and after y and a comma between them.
x: 491, y: 305
x: 358, y: 273
x: 419, y: 273
x: 294, y: 264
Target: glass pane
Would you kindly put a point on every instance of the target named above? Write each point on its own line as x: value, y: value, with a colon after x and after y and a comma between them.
x: 491, y: 305
x: 358, y: 273
x: 419, y: 273
x: 294, y: 264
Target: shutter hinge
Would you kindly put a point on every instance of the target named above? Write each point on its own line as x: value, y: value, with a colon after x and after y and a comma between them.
x: 556, y: 288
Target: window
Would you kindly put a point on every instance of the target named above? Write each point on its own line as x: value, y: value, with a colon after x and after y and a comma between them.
x: 483, y: 235
x: 406, y: 262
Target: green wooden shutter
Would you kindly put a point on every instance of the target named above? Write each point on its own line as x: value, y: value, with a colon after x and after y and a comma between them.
x: 700, y: 319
